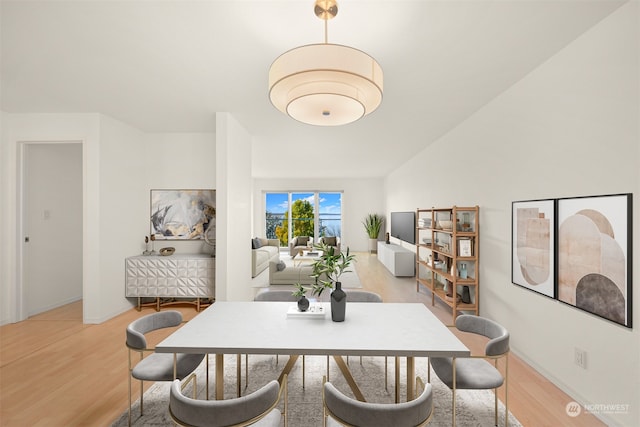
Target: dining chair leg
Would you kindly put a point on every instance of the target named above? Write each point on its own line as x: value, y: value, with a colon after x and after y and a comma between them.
x: 506, y: 391
x: 453, y: 393
x: 129, y: 399
x: 327, y: 368
x: 386, y: 374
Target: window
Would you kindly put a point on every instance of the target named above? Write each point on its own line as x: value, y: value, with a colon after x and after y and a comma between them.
x: 330, y: 214
x: 312, y: 214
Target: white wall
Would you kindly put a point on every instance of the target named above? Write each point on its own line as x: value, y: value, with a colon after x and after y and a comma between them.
x: 19, y: 128
x: 360, y: 197
x: 233, y: 216
x: 120, y: 166
x: 121, y: 205
x: 178, y: 161
x: 53, y: 222
x: 570, y: 128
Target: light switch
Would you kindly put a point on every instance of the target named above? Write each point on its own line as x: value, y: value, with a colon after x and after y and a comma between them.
x: 46, y: 214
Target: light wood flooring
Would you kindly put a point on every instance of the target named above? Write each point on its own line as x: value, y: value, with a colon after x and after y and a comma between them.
x: 56, y: 371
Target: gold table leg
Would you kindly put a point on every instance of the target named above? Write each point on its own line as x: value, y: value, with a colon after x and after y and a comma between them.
x: 219, y: 376
x: 347, y: 376
x: 411, y: 379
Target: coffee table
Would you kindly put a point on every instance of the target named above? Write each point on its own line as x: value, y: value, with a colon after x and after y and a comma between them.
x: 307, y: 257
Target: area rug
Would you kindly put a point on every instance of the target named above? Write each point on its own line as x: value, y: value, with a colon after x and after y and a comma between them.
x: 473, y: 407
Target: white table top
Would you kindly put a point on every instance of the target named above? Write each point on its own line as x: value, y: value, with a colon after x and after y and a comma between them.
x: 369, y: 329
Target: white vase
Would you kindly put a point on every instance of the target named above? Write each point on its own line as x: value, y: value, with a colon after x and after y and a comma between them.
x: 373, y: 245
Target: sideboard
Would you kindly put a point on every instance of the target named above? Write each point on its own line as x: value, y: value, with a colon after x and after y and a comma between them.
x: 178, y: 278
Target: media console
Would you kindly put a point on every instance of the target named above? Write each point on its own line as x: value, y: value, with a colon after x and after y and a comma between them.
x: 398, y: 260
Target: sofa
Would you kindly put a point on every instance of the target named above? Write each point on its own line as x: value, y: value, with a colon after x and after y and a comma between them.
x: 263, y: 251
x: 280, y: 274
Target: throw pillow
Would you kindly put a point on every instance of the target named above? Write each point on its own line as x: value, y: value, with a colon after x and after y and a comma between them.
x: 302, y: 240
x: 330, y: 241
x: 280, y: 266
x: 255, y: 243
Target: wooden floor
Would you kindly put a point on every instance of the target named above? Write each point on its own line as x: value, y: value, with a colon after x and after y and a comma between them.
x: 55, y: 371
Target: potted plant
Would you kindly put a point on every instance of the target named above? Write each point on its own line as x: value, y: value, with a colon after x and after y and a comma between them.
x: 327, y: 271
x: 301, y: 294
x: 372, y: 224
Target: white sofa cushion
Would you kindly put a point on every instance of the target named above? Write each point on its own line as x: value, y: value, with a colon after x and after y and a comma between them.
x: 260, y: 258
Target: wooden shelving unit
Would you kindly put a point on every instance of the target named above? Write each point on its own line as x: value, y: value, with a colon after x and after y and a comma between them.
x: 448, y: 255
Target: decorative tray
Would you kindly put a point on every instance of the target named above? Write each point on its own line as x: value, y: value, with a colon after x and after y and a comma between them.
x: 314, y: 312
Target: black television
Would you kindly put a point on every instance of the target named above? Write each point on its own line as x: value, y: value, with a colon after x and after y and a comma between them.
x: 403, y: 226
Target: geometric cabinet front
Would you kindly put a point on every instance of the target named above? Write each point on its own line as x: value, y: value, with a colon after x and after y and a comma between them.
x: 187, y: 276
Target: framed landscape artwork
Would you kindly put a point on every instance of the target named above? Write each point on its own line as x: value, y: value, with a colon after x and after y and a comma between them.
x: 182, y: 214
x: 594, y: 255
x: 532, y: 245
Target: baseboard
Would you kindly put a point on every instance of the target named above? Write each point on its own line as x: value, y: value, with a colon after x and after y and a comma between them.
x: 55, y: 305
x: 111, y: 315
x: 574, y: 394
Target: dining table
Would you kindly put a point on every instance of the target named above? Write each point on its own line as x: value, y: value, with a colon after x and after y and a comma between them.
x: 394, y: 330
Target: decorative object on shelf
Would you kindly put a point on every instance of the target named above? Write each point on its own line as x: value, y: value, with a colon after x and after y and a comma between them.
x: 386, y: 238
x: 338, y: 303
x: 325, y: 84
x: 146, y: 246
x: 301, y: 294
x: 597, y: 231
x: 372, y: 224
x: 210, y: 236
x: 532, y: 242
x: 446, y: 225
x: 463, y: 271
x: 167, y: 251
x: 466, y: 225
x: 466, y: 295
x: 153, y: 245
x: 327, y: 270
x: 464, y: 247
x: 181, y: 214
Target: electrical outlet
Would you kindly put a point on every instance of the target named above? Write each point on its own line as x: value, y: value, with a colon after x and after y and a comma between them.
x: 580, y: 358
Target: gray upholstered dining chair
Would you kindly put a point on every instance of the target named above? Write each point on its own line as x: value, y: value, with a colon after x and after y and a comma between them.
x: 257, y: 409
x: 277, y: 295
x: 358, y: 295
x: 341, y: 410
x: 156, y: 366
x: 476, y: 372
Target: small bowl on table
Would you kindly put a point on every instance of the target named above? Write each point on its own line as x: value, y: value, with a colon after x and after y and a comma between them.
x: 167, y: 251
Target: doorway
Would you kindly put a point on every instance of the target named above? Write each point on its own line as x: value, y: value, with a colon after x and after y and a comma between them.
x: 52, y: 226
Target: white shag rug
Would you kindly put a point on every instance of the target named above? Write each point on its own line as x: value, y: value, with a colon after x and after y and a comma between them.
x: 473, y: 407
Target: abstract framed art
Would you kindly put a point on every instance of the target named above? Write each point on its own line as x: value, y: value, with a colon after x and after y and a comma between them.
x: 594, y: 255
x: 532, y: 246
x: 182, y: 214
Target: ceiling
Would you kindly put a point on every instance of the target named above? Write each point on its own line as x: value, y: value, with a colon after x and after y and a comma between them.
x: 169, y: 66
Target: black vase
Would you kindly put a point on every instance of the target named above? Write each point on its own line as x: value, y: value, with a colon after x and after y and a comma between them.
x: 466, y: 295
x: 303, y: 303
x: 338, y: 303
